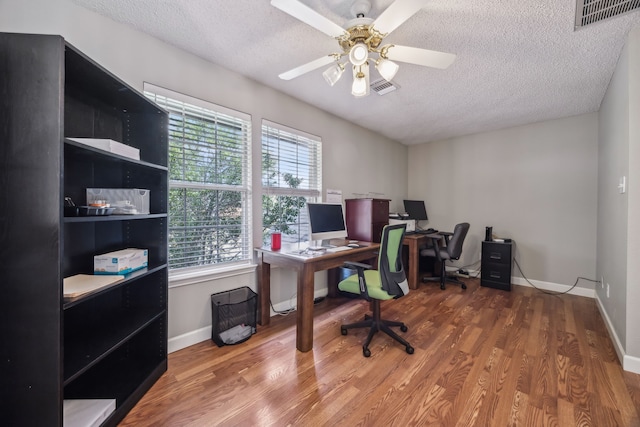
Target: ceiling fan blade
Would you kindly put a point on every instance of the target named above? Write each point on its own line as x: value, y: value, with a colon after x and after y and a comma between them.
x: 309, y: 66
x: 396, y: 14
x: 309, y: 17
x: 414, y: 55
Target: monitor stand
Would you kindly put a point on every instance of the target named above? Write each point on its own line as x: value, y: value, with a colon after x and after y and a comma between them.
x: 321, y: 244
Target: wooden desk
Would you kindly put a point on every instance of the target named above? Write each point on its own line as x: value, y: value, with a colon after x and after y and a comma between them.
x: 414, y: 242
x: 305, y: 267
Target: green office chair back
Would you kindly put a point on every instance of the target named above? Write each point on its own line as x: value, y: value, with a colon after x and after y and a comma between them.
x: 393, y: 278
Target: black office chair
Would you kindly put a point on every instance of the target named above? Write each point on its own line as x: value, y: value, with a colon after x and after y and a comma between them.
x: 444, y: 248
x: 387, y: 282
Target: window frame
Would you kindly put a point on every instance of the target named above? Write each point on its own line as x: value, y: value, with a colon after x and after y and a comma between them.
x: 311, y: 193
x: 190, y: 274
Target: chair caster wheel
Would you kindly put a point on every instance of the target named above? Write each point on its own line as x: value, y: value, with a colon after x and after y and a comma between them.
x: 366, y: 352
x: 442, y: 287
x: 464, y: 286
x: 409, y: 349
x: 404, y: 328
x: 343, y: 331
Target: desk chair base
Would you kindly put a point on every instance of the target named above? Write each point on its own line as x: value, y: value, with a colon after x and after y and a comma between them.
x: 451, y: 279
x: 377, y: 324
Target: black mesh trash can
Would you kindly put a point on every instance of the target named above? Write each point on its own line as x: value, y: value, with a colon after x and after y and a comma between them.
x: 234, y: 315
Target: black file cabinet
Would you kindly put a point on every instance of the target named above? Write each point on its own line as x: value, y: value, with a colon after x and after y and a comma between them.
x: 496, y: 265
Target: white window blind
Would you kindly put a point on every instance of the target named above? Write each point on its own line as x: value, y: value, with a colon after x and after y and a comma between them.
x: 291, y: 176
x: 209, y: 181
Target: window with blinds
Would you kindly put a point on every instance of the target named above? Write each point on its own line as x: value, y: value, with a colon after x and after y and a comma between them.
x: 209, y: 181
x: 291, y: 176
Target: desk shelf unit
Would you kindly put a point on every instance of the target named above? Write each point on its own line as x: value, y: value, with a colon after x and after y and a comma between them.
x: 108, y: 344
x: 366, y: 218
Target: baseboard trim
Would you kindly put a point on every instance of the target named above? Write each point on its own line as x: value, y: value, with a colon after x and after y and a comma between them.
x: 629, y: 363
x: 555, y: 287
x: 547, y: 286
x: 199, y: 335
x: 189, y: 339
x: 292, y: 303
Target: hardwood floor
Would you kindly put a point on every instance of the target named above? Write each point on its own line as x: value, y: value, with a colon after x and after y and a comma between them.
x: 483, y: 357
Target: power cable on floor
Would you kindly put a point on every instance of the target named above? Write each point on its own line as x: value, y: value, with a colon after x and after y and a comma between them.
x: 548, y: 292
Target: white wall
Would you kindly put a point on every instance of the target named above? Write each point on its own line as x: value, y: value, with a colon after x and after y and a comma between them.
x: 633, y: 228
x: 535, y: 184
x: 355, y: 160
x: 618, y: 228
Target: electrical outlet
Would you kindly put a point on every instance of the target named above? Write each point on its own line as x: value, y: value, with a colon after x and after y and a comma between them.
x: 607, y: 290
x: 622, y: 185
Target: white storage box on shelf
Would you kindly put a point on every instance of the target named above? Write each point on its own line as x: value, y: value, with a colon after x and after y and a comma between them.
x: 87, y: 412
x: 120, y: 262
x: 126, y: 201
x: 111, y: 146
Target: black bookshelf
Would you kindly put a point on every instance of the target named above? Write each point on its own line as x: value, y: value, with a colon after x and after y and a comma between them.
x: 108, y: 344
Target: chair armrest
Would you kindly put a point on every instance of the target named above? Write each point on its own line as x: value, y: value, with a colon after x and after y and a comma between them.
x: 446, y: 233
x: 354, y: 265
x: 436, y: 239
x: 362, y: 283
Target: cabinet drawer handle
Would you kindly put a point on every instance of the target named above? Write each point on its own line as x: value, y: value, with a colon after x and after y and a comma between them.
x: 495, y: 255
x: 495, y: 275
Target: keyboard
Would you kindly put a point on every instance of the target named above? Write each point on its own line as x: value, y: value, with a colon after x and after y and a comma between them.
x: 338, y: 249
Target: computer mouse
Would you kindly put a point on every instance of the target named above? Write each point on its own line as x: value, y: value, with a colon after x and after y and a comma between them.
x: 353, y: 245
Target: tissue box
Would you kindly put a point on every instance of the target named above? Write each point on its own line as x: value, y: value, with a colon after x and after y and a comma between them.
x: 120, y: 262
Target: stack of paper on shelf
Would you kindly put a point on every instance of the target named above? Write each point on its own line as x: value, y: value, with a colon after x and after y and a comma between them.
x: 87, y: 412
x: 81, y: 284
x: 110, y: 146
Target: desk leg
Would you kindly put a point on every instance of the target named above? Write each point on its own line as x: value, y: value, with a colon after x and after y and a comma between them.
x: 264, y: 291
x: 304, y: 319
x: 414, y: 264
x: 333, y: 278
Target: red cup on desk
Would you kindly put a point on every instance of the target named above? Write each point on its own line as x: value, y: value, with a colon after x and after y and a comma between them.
x: 276, y: 240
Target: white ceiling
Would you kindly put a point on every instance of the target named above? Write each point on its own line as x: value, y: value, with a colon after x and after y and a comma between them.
x: 517, y: 62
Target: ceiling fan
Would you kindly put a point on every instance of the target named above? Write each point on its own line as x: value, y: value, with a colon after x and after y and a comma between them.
x: 361, y: 38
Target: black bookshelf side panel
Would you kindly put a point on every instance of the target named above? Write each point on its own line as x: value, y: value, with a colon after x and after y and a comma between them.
x: 83, y: 170
x: 88, y: 79
x: 84, y: 240
x: 99, y: 326
x: 149, y: 132
x: 31, y: 73
x: 120, y: 373
x: 89, y: 118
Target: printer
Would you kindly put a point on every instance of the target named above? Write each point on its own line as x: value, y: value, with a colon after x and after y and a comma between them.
x: 411, y: 223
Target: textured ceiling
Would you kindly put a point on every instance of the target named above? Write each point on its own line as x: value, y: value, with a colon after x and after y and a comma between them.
x: 517, y: 62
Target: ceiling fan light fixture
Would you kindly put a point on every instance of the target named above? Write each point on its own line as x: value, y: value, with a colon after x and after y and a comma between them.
x: 333, y: 73
x: 358, y: 54
x: 387, y: 68
x: 360, y: 86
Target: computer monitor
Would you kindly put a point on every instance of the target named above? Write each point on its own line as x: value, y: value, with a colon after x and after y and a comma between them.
x: 416, y: 210
x: 326, y: 221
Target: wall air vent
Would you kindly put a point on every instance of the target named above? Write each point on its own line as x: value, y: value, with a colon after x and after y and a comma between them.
x: 590, y: 11
x: 383, y: 87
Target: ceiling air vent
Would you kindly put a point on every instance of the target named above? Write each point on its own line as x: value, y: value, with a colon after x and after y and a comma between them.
x: 590, y: 11
x: 383, y: 87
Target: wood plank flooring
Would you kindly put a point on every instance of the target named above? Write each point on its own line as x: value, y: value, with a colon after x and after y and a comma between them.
x: 483, y: 357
